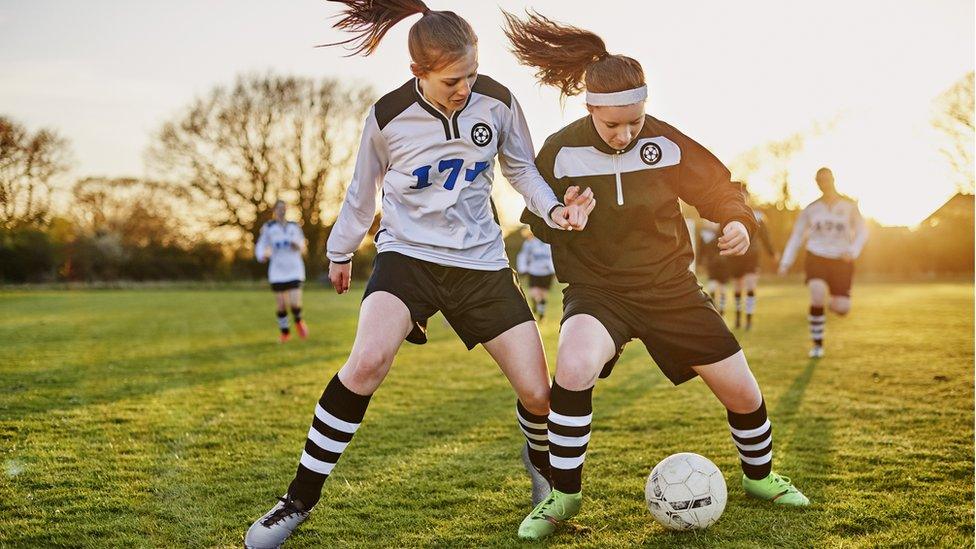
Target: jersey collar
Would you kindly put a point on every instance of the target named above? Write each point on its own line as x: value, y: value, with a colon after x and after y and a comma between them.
x: 451, y: 130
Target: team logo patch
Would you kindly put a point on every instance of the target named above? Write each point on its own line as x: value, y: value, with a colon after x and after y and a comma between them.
x: 481, y: 134
x: 650, y: 153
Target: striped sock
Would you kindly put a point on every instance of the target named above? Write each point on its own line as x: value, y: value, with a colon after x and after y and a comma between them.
x: 569, y: 433
x: 541, y: 307
x: 750, y: 305
x: 738, y: 308
x: 537, y: 436
x: 283, y: 321
x: 752, y: 434
x: 296, y: 313
x: 337, y: 416
x: 817, y: 324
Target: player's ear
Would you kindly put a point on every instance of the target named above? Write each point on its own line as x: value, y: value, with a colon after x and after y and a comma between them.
x: 417, y: 71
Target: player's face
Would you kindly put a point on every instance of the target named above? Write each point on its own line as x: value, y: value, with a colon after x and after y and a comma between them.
x: 825, y: 180
x: 449, y: 87
x: 279, y: 211
x: 618, y: 126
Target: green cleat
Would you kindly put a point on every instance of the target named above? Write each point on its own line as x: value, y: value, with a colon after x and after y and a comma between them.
x: 542, y: 521
x: 774, y: 488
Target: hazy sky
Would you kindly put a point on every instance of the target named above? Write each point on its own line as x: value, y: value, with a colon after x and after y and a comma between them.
x: 729, y: 74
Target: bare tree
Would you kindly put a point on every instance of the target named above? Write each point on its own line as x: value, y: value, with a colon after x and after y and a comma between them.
x: 28, y: 165
x: 235, y: 151
x: 138, y: 212
x: 954, y: 118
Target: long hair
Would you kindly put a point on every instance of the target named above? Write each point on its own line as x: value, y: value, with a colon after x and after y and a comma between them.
x: 436, y: 40
x: 569, y: 58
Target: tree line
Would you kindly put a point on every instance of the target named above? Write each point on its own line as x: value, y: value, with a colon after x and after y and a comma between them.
x: 217, y: 166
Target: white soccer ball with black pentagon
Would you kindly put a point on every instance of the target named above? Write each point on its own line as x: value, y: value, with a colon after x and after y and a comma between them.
x: 686, y: 492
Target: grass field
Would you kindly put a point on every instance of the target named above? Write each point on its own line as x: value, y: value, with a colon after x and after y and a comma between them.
x: 172, y: 418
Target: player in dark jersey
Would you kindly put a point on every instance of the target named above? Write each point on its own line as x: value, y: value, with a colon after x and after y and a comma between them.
x: 628, y: 274
x: 716, y: 264
x: 744, y: 269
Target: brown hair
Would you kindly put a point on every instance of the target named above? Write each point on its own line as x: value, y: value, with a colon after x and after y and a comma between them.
x: 435, y: 41
x: 570, y: 58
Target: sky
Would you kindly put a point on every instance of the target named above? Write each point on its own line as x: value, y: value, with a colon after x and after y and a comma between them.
x: 732, y: 75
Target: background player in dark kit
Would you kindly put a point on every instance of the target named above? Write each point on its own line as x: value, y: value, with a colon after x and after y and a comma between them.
x: 744, y: 269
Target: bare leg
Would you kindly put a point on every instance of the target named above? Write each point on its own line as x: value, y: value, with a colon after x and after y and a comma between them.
x: 384, y: 322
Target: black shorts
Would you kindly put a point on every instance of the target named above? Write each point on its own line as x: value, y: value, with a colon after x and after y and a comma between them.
x: 479, y: 305
x: 678, y: 332
x: 837, y: 273
x: 543, y: 281
x: 285, y: 286
x: 741, y: 265
x: 718, y: 268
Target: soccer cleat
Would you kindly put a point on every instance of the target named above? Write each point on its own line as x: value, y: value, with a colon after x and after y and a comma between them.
x: 271, y: 530
x: 556, y: 508
x: 283, y: 338
x: 774, y: 488
x: 302, y: 329
x: 817, y: 351
x: 540, y: 486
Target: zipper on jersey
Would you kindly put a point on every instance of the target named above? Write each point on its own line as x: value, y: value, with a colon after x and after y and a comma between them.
x: 616, y: 172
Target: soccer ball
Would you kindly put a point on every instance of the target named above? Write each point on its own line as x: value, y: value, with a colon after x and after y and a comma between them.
x: 686, y: 492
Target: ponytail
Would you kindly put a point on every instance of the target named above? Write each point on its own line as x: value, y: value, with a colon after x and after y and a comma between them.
x: 569, y: 58
x: 438, y: 39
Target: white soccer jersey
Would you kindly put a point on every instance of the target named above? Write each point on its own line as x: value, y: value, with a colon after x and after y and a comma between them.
x: 830, y: 230
x: 535, y: 258
x: 436, y: 174
x: 286, y: 262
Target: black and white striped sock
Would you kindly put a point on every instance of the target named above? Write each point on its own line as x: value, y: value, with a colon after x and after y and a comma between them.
x: 752, y: 434
x: 570, y: 415
x: 337, y: 416
x: 283, y: 321
x: 818, y: 321
x: 541, y: 307
x: 536, y: 436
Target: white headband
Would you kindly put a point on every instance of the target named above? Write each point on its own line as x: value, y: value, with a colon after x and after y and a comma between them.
x: 617, y: 99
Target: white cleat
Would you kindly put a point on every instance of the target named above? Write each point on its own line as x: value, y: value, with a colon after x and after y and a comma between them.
x: 271, y: 530
x: 540, y: 486
x: 816, y: 351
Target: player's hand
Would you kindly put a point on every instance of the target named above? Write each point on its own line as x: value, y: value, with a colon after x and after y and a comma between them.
x: 734, y: 239
x: 340, y: 274
x: 574, y: 215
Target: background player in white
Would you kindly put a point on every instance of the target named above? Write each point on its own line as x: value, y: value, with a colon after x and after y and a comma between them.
x: 535, y: 260
x: 835, y: 234
x: 744, y: 269
x: 431, y: 146
x: 283, y: 243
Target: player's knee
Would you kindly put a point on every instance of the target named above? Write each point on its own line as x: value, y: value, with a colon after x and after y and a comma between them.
x: 369, y: 366
x: 840, y: 308
x: 576, y: 371
x: 536, y: 400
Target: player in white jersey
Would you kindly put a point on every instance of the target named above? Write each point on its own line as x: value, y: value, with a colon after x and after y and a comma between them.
x: 282, y: 243
x: 835, y: 234
x: 535, y: 260
x: 428, y: 151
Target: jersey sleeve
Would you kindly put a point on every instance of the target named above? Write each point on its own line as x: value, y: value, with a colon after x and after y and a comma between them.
x: 705, y: 183
x: 261, y: 244
x: 516, y: 157
x: 860, y: 232
x: 796, y: 239
x: 544, y: 230
x: 359, y: 207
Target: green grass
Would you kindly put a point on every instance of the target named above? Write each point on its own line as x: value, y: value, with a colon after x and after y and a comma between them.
x: 171, y: 418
